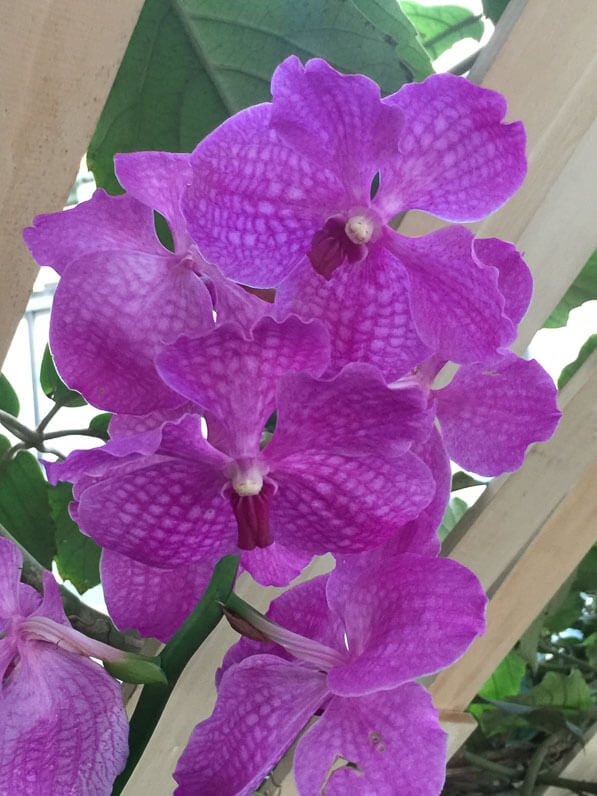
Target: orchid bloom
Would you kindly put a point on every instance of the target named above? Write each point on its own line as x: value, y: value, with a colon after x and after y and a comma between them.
x: 284, y: 194
x: 122, y: 294
x: 350, y: 647
x: 63, y: 729
x: 338, y: 474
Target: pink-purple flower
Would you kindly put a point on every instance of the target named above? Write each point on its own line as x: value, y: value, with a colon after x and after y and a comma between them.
x: 63, y: 728
x: 282, y: 196
x: 352, y: 644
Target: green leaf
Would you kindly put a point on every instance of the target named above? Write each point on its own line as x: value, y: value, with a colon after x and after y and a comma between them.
x: 506, y: 679
x: 99, y: 424
x: 454, y: 511
x: 24, y: 507
x: 192, y: 63
x: 569, y: 693
x: 462, y: 480
x: 54, y: 387
x: 566, y: 614
x: 585, y: 352
x: 439, y: 27
x: 584, y: 288
x: 9, y: 401
x: 77, y: 556
x: 494, y: 9
x: 586, y: 574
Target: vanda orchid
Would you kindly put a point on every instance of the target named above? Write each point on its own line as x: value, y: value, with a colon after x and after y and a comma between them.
x: 278, y: 432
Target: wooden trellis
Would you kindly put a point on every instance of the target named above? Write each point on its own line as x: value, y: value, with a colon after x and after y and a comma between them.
x: 531, y: 528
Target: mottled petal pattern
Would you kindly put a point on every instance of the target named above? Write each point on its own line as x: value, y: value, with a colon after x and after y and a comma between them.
x: 455, y: 302
x: 263, y: 704
x: 338, y: 504
x: 275, y: 565
x: 253, y: 196
x: 153, y: 601
x: 435, y: 593
x: 393, y: 738
x: 366, y: 309
x: 489, y: 416
x: 64, y: 729
x: 335, y: 120
x: 514, y: 277
x: 457, y: 159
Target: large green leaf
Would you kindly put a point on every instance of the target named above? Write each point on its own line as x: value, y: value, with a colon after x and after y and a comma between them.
x: 24, y: 507
x: 53, y: 386
x: 584, y: 288
x: 442, y: 26
x: 77, y: 556
x: 569, y: 693
x: 506, y: 679
x: 585, y: 352
x: 192, y: 63
x: 586, y: 574
x: 9, y: 401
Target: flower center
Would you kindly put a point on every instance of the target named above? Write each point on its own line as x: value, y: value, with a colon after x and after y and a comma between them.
x: 359, y: 229
x: 250, y: 498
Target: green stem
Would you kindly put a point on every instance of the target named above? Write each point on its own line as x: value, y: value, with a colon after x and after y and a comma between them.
x: 494, y: 768
x: 79, y: 432
x: 552, y: 649
x: 458, y: 26
x: 534, y: 768
x: 53, y: 411
x: 174, y: 657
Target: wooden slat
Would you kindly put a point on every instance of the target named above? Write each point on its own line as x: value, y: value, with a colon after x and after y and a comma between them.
x: 582, y: 766
x: 58, y: 60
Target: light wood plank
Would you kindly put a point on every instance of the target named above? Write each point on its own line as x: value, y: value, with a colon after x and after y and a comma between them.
x: 582, y: 766
x: 59, y: 59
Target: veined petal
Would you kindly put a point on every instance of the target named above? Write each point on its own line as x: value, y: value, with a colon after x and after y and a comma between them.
x: 275, y: 565
x: 112, y: 313
x: 153, y: 601
x: 387, y: 607
x: 514, y: 277
x: 64, y: 729
x: 337, y: 121
x: 365, y: 307
x: 253, y: 196
x: 457, y: 160
x: 233, y: 375
x: 102, y: 224
x: 489, y: 416
x: 455, y: 301
x: 353, y: 414
x: 329, y: 503
x: 11, y: 561
x: 263, y: 703
x: 158, y: 180
x: 392, y: 737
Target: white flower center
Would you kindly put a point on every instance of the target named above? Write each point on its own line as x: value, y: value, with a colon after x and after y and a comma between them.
x: 359, y: 229
x: 250, y: 486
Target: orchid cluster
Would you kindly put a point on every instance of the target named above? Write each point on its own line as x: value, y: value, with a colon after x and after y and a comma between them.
x: 307, y: 423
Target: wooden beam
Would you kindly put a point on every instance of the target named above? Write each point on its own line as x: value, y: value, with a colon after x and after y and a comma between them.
x: 59, y: 59
x: 582, y: 766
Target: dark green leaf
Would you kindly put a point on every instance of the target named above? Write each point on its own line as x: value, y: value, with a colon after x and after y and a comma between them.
x: 9, y: 401
x: 506, y: 679
x: 24, y: 507
x: 569, y: 693
x: 99, y: 424
x: 586, y: 574
x: 566, y: 614
x: 494, y: 9
x: 192, y: 63
x: 461, y: 480
x: 439, y: 27
x: 585, y: 352
x: 584, y: 288
x: 529, y: 641
x: 77, y: 556
x: 54, y: 387
x: 454, y: 511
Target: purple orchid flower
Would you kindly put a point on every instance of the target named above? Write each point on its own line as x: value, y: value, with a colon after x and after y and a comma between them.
x: 489, y: 415
x: 122, y: 295
x: 64, y: 729
x: 338, y: 474
x: 357, y: 639
x: 282, y: 195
